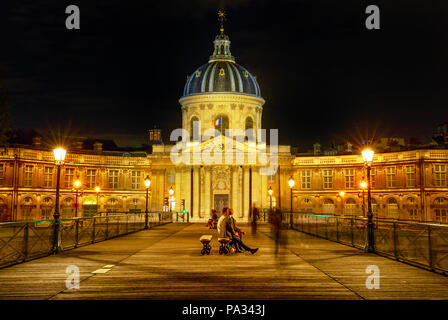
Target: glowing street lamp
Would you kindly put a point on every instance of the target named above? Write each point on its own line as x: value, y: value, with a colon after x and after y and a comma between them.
x: 97, y: 190
x: 59, y: 157
x: 291, y: 183
x: 77, y: 185
x: 270, y: 192
x: 171, y: 192
x: 367, y: 156
x: 147, y: 185
x: 342, y: 193
x: 363, y: 186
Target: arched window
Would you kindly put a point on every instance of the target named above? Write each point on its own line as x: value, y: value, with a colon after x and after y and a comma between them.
x: 27, y: 209
x: 249, y: 125
x: 350, y: 207
x: 392, y: 209
x: 412, y: 208
x: 441, y: 209
x: 46, y: 208
x: 328, y: 206
x: 307, y: 205
x: 192, y: 127
x: 221, y: 123
x: 68, y: 208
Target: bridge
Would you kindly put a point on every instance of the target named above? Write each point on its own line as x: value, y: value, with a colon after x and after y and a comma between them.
x: 164, y: 262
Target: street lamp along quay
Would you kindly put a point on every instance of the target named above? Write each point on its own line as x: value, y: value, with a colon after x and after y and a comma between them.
x: 171, y: 192
x: 270, y: 192
x: 77, y: 185
x: 291, y: 183
x: 97, y: 190
x: 147, y: 185
x: 363, y: 185
x: 367, y: 156
x: 59, y: 157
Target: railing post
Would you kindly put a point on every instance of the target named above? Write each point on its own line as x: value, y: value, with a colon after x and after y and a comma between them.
x: 76, y: 232
x: 25, y: 238
x: 351, y: 229
x: 394, y: 230
x: 317, y: 228
x: 127, y: 224
x: 337, y: 229
x: 93, y: 231
x: 326, y: 228
x: 430, y: 247
x: 107, y: 227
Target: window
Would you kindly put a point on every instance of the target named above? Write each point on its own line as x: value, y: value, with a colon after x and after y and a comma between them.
x: 48, y: 181
x: 440, y: 175
x: 113, y: 179
x: 392, y: 208
x: 372, y: 177
x: 272, y: 201
x: 306, y: 179
x: 350, y: 207
x: 441, y: 215
x: 46, y: 209
x: 2, y: 168
x: 194, y: 124
x: 135, y: 180
x: 69, y: 173
x: 172, y: 203
x: 91, y: 178
x: 349, y: 178
x: 412, y: 208
x: 410, y: 176
x: 221, y: 124
x: 328, y: 206
x: 390, y: 177
x: 271, y: 178
x: 328, y: 179
x: 441, y: 209
x: 171, y: 177
x: 28, y: 176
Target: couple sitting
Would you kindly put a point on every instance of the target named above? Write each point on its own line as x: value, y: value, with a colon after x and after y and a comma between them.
x: 211, y: 224
x: 227, y: 229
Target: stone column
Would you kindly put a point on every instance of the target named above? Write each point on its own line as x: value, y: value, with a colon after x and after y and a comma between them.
x: 207, y: 200
x: 245, y: 193
x: 196, y: 190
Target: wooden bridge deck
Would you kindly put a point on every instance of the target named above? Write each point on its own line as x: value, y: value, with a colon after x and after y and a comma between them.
x: 165, y: 263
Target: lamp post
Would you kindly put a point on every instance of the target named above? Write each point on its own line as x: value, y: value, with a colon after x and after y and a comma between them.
x: 76, y: 184
x: 59, y: 157
x: 97, y: 190
x: 367, y: 156
x: 363, y: 185
x: 341, y: 196
x: 270, y: 192
x: 291, y: 183
x: 147, y: 185
x: 171, y: 192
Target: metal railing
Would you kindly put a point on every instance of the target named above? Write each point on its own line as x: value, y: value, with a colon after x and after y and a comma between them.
x: 421, y: 244
x: 24, y: 241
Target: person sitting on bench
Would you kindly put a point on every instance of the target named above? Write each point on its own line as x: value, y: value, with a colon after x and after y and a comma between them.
x: 235, y: 233
x: 213, y: 219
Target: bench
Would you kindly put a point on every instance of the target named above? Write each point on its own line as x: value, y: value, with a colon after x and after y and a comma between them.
x: 205, y: 240
x: 224, y: 247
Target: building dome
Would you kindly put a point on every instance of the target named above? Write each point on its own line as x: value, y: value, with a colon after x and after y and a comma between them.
x: 221, y: 74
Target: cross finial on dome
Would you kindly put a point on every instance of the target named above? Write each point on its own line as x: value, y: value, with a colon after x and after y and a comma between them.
x: 221, y: 19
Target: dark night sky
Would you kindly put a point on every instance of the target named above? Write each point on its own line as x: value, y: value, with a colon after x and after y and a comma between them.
x: 320, y: 70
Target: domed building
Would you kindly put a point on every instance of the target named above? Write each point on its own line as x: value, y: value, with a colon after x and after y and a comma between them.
x: 221, y: 94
